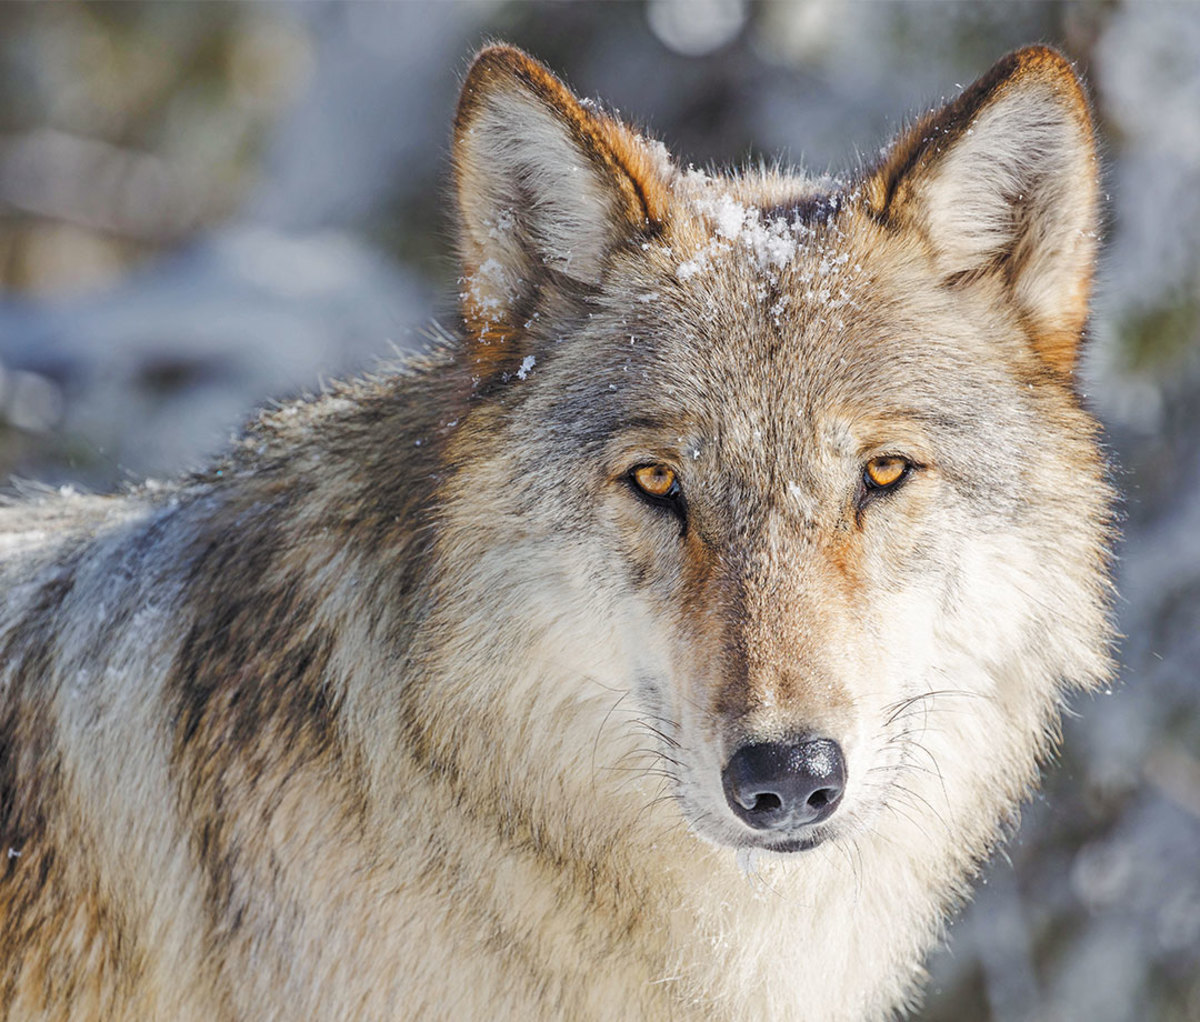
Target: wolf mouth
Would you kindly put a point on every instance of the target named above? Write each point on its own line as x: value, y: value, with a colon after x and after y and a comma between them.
x: 796, y: 844
x: 799, y: 842
x: 802, y: 839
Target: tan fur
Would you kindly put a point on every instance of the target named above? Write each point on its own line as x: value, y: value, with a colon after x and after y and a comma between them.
x: 413, y: 708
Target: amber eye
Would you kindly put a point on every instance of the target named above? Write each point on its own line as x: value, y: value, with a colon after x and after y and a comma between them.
x: 881, y: 473
x: 656, y: 481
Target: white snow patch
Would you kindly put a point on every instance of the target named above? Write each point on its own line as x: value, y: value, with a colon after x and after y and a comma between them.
x: 770, y: 243
x: 729, y: 216
x: 526, y: 364
x: 491, y: 271
x: 502, y: 227
x: 488, y: 288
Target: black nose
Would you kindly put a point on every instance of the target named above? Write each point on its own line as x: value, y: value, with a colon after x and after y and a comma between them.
x: 778, y: 785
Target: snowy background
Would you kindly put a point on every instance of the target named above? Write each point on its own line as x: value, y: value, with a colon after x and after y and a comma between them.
x: 202, y: 206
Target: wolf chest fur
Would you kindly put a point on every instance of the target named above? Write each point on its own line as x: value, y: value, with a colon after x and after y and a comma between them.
x: 673, y: 642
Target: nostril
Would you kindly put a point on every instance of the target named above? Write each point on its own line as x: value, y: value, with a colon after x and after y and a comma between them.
x: 820, y: 799
x: 766, y: 802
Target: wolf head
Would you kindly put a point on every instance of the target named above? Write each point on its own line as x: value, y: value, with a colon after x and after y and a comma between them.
x: 782, y: 482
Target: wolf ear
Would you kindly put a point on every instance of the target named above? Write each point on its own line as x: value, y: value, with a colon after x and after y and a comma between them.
x: 545, y: 186
x: 1002, y: 185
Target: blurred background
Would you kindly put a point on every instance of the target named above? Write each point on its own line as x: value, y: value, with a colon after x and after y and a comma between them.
x: 206, y: 205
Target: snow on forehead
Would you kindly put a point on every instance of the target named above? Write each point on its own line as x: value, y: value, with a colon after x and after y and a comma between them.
x: 767, y: 235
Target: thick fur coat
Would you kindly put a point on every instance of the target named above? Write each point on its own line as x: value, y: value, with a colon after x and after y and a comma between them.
x: 426, y: 701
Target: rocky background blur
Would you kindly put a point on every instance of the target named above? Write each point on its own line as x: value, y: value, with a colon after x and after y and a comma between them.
x: 205, y: 205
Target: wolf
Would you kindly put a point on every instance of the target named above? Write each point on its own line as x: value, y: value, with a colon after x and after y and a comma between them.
x: 674, y: 640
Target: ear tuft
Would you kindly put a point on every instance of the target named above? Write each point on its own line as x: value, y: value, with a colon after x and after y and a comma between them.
x: 1003, y: 183
x: 546, y: 187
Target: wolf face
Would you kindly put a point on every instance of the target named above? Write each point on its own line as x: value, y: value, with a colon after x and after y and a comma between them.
x: 807, y: 455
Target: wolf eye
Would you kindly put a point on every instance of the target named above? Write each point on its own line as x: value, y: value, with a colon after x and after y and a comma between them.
x: 659, y: 485
x: 656, y: 481
x: 885, y: 473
